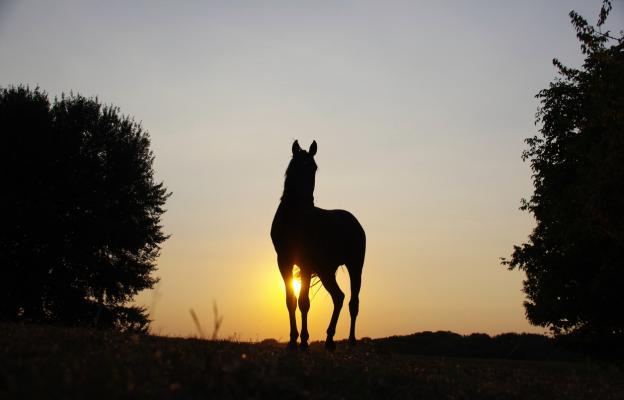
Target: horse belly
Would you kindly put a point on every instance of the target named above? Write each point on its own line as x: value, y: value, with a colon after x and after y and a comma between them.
x: 336, y: 242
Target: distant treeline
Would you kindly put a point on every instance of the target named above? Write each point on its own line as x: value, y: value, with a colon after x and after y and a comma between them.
x: 514, y: 346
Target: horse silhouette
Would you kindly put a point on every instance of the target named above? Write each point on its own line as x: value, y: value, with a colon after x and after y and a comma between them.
x: 318, y: 241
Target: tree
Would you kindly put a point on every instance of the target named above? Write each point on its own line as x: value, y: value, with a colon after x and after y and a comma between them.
x: 80, y: 230
x: 574, y: 258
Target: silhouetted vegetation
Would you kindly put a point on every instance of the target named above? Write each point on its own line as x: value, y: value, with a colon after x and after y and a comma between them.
x: 573, y: 258
x: 513, y: 346
x: 49, y: 362
x: 80, y: 229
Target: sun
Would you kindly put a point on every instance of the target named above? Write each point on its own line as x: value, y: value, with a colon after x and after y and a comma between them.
x: 296, y: 282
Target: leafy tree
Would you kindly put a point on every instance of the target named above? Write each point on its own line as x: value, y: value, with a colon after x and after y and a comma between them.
x: 80, y: 230
x: 574, y: 258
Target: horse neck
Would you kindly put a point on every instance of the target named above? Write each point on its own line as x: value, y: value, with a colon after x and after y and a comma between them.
x: 297, y: 202
x: 292, y: 198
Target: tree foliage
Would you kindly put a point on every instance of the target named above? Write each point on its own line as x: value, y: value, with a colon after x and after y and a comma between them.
x: 80, y: 229
x: 574, y: 258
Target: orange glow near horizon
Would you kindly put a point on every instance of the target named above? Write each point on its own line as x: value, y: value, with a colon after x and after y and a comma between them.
x: 405, y: 305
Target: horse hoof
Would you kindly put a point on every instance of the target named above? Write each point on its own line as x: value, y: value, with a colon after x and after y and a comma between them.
x: 303, y: 346
x: 292, y: 345
x: 330, y: 345
x: 352, y: 342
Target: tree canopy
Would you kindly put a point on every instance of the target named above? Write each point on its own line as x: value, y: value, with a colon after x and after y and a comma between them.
x: 574, y: 257
x: 80, y: 231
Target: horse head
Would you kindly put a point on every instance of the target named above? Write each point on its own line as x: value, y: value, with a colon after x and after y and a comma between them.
x: 300, y: 174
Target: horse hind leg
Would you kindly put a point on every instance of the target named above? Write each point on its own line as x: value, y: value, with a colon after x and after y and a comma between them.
x: 329, y: 282
x: 355, y: 277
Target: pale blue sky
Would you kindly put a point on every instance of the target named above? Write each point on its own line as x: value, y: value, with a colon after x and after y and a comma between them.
x: 419, y: 110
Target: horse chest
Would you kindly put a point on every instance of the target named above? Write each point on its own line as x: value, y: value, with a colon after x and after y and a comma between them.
x: 296, y: 236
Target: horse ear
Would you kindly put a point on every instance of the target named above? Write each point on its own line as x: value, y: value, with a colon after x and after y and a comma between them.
x: 312, y: 150
x: 296, y: 148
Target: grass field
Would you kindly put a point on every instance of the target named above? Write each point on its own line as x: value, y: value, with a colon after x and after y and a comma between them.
x: 50, y: 362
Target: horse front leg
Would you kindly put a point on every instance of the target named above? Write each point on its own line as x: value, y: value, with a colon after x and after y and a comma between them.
x: 291, y: 302
x: 304, y: 306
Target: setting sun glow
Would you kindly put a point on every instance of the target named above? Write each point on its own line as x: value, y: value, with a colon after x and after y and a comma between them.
x: 296, y: 282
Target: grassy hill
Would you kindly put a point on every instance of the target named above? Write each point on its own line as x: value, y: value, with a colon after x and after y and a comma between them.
x: 50, y: 362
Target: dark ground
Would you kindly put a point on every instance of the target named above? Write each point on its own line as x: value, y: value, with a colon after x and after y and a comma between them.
x: 50, y: 362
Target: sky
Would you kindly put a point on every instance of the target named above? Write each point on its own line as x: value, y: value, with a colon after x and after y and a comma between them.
x: 419, y: 108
